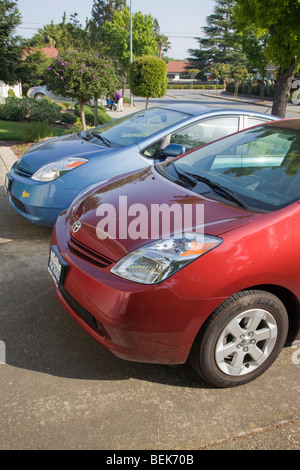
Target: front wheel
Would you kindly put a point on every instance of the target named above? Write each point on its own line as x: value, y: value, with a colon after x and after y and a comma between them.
x: 39, y: 96
x: 241, y: 339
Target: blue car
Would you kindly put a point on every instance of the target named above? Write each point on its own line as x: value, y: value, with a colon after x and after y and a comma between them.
x: 47, y: 178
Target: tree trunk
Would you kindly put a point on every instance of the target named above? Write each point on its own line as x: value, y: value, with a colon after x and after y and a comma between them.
x: 236, y: 89
x: 282, y: 90
x: 82, y: 115
x: 147, y: 102
x: 262, y: 85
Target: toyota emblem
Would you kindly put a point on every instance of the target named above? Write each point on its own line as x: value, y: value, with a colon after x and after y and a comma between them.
x: 76, y: 226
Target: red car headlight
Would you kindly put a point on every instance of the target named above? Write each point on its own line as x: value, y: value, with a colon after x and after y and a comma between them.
x: 157, y: 261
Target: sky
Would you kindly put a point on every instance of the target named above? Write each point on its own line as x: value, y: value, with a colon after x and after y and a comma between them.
x: 180, y: 20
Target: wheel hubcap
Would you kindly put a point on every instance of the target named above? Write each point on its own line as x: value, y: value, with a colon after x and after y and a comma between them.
x: 246, y: 342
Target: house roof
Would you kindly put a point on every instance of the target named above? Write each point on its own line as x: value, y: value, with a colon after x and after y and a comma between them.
x: 50, y: 52
x: 177, y: 66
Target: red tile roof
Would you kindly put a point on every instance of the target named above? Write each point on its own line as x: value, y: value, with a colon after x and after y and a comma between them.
x: 177, y: 66
x: 50, y: 52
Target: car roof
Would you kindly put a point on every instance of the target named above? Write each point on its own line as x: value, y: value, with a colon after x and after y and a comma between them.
x: 198, y: 109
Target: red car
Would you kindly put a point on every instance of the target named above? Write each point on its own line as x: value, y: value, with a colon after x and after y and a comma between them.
x: 195, y: 258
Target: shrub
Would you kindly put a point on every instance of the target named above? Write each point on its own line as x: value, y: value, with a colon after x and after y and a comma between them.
x: 35, y: 131
x: 67, y: 105
x: 148, y: 77
x: 68, y: 118
x: 17, y: 109
x: 14, y: 109
x: 44, y: 110
x: 103, y: 117
x: 89, y: 114
x: 74, y: 129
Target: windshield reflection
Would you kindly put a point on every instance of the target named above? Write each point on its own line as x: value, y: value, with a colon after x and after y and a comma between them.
x: 135, y: 127
x: 260, y: 166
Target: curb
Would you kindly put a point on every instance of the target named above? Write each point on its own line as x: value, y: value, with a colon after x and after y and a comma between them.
x: 257, y: 102
x: 7, y: 159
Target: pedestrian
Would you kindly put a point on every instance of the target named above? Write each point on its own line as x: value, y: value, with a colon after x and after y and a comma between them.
x: 119, y: 100
x: 109, y: 103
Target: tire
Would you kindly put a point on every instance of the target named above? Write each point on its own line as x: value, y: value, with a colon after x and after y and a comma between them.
x: 39, y: 96
x: 241, y: 339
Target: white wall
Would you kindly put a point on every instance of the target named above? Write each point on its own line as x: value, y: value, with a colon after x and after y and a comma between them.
x: 4, y: 90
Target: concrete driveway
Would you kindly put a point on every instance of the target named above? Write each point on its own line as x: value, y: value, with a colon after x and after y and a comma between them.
x: 61, y: 390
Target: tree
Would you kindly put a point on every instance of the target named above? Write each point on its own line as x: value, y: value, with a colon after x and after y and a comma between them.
x: 31, y: 70
x: 163, y: 44
x: 254, y: 48
x: 192, y: 73
x: 64, y: 35
x: 83, y: 75
x: 117, y: 33
x: 221, y: 72
x: 102, y: 12
x: 148, y: 77
x: 279, y: 22
x: 10, y: 47
x: 238, y: 74
x: 220, y: 43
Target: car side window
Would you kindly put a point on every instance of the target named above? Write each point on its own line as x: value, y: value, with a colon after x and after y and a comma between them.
x: 153, y: 149
x: 205, y: 131
x: 250, y: 121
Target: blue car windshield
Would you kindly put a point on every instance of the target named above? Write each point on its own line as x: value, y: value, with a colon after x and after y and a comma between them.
x: 133, y: 128
x: 258, y: 168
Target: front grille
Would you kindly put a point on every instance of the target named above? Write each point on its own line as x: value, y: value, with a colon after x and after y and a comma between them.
x: 18, y: 204
x: 21, y: 172
x: 89, y: 255
x: 82, y: 312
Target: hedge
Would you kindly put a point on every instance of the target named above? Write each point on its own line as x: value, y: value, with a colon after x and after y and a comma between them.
x: 89, y: 114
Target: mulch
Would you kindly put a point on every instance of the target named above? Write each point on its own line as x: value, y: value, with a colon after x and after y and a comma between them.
x: 19, y: 148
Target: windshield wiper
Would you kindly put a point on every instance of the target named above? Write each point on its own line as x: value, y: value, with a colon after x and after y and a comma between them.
x: 193, y: 180
x: 219, y: 188
x: 182, y: 176
x: 100, y: 137
x: 85, y: 135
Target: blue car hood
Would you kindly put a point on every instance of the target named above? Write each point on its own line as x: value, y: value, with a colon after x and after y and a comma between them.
x: 55, y: 149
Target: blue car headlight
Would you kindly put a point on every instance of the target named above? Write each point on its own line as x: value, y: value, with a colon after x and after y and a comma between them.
x: 54, y: 170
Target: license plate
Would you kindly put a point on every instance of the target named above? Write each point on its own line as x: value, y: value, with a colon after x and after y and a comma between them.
x: 7, y: 183
x: 57, y: 266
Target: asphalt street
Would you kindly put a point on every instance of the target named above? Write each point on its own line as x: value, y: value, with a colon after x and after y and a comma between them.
x: 61, y: 390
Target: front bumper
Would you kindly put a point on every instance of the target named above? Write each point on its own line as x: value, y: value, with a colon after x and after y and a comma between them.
x: 135, y: 322
x: 39, y: 203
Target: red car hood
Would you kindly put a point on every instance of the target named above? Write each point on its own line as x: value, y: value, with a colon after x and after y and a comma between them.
x: 145, y: 188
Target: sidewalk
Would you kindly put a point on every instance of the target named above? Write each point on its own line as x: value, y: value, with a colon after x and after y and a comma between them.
x: 7, y: 159
x: 127, y: 109
x: 253, y: 100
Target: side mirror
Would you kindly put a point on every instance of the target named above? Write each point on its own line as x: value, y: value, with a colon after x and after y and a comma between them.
x: 173, y: 150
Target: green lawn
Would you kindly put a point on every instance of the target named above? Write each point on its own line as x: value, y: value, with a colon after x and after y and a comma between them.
x: 17, y: 131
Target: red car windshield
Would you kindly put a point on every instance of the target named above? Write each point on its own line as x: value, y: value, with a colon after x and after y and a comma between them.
x: 259, y: 166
